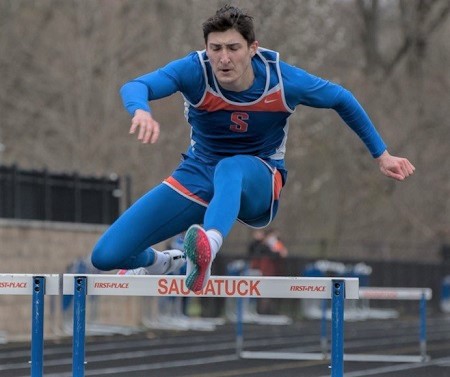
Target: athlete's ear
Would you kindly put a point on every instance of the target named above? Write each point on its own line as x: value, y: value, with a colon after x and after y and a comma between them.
x: 206, y: 47
x: 253, y: 48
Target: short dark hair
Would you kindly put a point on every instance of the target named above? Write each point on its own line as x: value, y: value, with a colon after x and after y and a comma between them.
x: 230, y: 17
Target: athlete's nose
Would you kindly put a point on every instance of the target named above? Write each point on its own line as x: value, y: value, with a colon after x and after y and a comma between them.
x: 224, y: 58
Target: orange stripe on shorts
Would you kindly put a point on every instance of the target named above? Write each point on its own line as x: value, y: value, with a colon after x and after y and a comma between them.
x: 277, y: 185
x: 179, y: 187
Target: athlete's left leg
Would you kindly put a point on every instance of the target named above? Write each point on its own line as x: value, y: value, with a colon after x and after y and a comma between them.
x: 157, y: 216
x: 242, y: 188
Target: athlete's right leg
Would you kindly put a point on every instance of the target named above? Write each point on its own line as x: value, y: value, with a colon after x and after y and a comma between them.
x: 160, y: 214
x: 242, y: 186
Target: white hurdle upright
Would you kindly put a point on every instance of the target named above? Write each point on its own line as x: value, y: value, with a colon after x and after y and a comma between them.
x: 337, y: 290
x: 36, y: 286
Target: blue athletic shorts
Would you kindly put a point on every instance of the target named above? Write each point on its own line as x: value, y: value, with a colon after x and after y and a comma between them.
x: 194, y: 180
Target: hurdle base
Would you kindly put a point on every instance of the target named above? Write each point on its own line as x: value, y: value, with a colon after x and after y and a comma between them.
x: 321, y: 356
x: 283, y: 355
x: 387, y: 358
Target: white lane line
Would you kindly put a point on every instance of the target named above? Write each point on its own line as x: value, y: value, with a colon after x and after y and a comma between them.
x: 152, y: 366
x: 222, y: 346
x: 394, y: 368
x: 166, y: 351
x: 433, y: 334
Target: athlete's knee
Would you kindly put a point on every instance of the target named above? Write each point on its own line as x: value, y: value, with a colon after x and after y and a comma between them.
x: 101, y: 258
x: 228, y: 168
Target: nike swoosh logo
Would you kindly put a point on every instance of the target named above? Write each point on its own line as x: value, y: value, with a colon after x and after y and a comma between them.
x: 269, y: 100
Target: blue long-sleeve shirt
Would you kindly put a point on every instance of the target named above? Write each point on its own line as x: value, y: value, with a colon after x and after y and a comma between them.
x: 254, y: 121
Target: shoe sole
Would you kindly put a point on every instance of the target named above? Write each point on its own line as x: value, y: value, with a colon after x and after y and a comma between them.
x: 198, y: 251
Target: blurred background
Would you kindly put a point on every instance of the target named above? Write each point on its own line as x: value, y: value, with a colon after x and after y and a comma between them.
x: 68, y: 166
x: 62, y: 64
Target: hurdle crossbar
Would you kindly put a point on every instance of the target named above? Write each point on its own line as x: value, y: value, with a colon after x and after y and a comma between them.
x: 36, y: 286
x: 218, y: 286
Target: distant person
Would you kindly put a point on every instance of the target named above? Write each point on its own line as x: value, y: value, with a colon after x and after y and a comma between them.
x: 238, y: 98
x: 258, y: 247
x: 258, y: 250
x: 275, y: 244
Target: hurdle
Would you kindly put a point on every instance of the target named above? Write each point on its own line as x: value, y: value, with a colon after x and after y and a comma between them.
x: 419, y: 294
x: 37, y: 286
x: 415, y: 294
x: 336, y: 290
x: 384, y: 293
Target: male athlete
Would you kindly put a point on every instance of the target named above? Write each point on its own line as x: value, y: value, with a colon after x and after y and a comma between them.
x: 238, y: 98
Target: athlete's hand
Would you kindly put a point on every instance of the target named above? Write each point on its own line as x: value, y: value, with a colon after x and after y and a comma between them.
x: 148, y: 127
x: 395, y: 167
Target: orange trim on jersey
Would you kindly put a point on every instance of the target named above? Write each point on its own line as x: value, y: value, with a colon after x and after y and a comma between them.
x: 183, y: 190
x: 277, y: 185
x: 273, y: 102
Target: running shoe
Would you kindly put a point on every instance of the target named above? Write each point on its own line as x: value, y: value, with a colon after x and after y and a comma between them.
x: 198, y: 258
x: 175, y: 262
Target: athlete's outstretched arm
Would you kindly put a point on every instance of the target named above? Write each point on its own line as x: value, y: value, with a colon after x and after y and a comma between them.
x: 136, y: 95
x: 184, y: 75
x: 304, y: 88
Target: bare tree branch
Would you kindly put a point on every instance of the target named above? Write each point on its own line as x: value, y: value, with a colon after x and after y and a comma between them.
x: 429, y: 27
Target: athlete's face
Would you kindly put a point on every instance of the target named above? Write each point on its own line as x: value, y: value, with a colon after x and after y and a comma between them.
x: 230, y: 57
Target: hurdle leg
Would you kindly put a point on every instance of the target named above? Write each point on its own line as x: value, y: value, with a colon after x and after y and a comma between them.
x: 79, y: 325
x: 239, y: 327
x: 337, y: 328
x: 423, y: 328
x: 37, y: 327
x: 323, y: 329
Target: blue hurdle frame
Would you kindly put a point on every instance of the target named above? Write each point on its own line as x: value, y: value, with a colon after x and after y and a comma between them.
x: 37, y: 287
x: 423, y: 328
x: 337, y: 334
x: 79, y: 326
x: 337, y: 329
x: 37, y: 327
x: 422, y: 357
x: 337, y: 349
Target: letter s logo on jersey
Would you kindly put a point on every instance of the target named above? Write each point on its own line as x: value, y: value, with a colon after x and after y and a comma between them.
x: 238, y: 119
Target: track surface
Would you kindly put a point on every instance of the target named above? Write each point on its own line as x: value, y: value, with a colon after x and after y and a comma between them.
x: 213, y: 354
